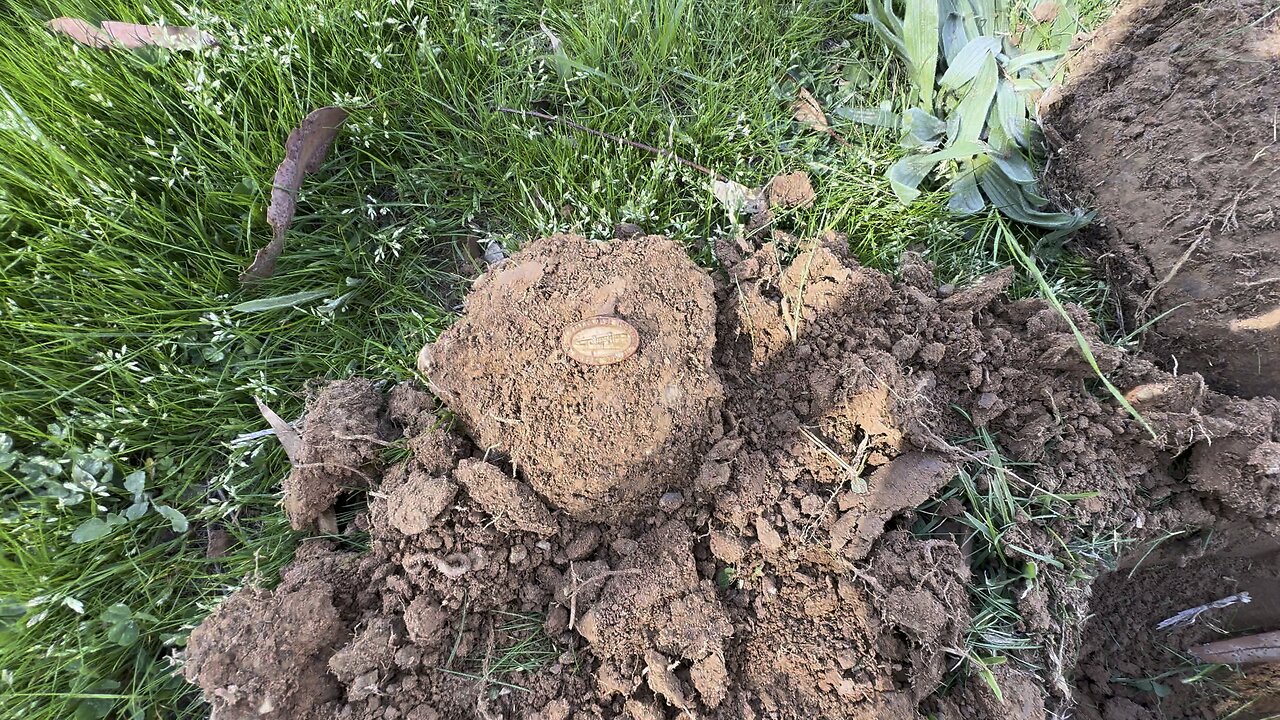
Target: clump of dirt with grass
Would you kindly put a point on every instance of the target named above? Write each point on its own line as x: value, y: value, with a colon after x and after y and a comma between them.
x: 814, y: 490
x: 1169, y: 129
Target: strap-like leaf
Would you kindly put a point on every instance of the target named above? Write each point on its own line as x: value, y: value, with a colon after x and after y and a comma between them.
x: 281, y: 301
x: 906, y: 174
x: 1015, y: 166
x: 879, y: 117
x: 920, y: 29
x: 1007, y: 196
x: 970, y: 116
x: 954, y: 35
x: 1026, y: 60
x: 966, y: 198
x: 922, y: 129
x: 969, y: 62
x: 1012, y: 112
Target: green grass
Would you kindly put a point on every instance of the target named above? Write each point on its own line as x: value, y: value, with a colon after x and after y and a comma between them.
x: 132, y: 192
x: 1018, y: 537
x: 520, y: 645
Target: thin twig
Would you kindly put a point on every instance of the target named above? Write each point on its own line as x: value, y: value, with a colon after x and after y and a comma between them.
x: 327, y: 464
x: 1151, y: 294
x: 367, y: 438
x: 620, y: 140
x: 579, y: 585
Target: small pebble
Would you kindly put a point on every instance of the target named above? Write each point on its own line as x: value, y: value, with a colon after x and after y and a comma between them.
x: 670, y: 502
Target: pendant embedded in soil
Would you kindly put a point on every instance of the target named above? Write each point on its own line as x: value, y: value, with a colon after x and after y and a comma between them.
x: 600, y: 341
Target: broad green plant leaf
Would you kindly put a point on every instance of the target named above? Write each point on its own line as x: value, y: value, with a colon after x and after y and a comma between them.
x: 970, y: 117
x: 176, y: 519
x: 135, y: 482
x: 90, y: 530
x: 920, y: 29
x: 1013, y: 114
x: 922, y: 129
x: 124, y: 633
x: 1017, y: 168
x: 969, y: 62
x: 1026, y: 60
x: 906, y: 174
x: 1009, y: 198
x: 117, y: 613
x: 966, y: 198
x: 954, y: 35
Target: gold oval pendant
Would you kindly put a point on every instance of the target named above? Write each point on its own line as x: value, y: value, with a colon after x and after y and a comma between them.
x: 600, y: 341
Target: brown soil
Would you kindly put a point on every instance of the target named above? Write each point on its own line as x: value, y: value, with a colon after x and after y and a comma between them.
x: 1168, y: 128
x: 599, y: 545
x: 1130, y: 670
x: 580, y: 435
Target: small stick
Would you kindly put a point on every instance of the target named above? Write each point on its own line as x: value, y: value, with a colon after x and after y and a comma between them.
x: 367, y: 438
x: 348, y: 468
x: 1242, y: 650
x: 577, y: 586
x: 1190, y: 615
x: 614, y: 138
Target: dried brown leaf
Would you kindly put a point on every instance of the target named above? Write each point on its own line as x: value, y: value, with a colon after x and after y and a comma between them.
x: 130, y: 36
x: 82, y: 32
x: 288, y: 437
x: 305, y: 151
x: 807, y: 111
x: 1045, y: 12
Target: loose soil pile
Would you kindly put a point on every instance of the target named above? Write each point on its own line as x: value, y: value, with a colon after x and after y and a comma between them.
x: 1169, y: 128
x: 721, y: 525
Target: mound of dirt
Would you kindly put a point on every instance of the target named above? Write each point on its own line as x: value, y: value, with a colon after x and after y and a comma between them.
x: 1168, y: 128
x: 595, y: 441
x: 749, y: 546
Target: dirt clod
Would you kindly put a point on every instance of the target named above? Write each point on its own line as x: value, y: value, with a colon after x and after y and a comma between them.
x: 346, y: 428
x: 417, y: 503
x: 636, y: 427
x: 790, y: 191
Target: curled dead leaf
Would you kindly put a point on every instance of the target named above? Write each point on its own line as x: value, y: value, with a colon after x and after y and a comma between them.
x: 305, y: 151
x: 807, y: 111
x: 288, y: 437
x: 1045, y: 12
x: 737, y: 198
x: 130, y: 36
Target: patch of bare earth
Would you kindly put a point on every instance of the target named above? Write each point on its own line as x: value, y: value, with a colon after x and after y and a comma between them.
x: 1168, y: 128
x: 718, y: 526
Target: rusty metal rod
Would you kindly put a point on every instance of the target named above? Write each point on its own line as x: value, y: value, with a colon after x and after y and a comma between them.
x: 1261, y: 648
